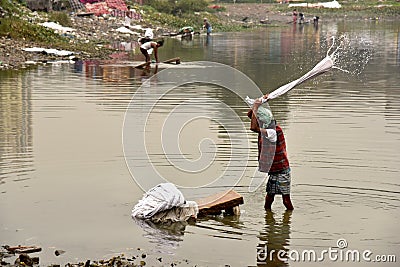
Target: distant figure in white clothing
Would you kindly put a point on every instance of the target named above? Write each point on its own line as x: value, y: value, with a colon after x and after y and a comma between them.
x: 148, y: 36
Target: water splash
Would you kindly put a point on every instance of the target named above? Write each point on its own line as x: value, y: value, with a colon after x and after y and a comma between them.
x: 335, y: 55
x: 350, y: 55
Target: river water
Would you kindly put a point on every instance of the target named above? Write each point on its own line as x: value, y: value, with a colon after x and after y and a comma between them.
x: 66, y: 183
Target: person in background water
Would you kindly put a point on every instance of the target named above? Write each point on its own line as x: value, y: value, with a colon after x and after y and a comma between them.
x: 315, y: 20
x: 207, y: 26
x: 301, y: 19
x: 144, y: 48
x: 272, y: 154
x: 295, y: 16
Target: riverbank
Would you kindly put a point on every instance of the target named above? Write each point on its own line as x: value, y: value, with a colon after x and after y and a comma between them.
x: 91, y: 34
x: 10, y: 258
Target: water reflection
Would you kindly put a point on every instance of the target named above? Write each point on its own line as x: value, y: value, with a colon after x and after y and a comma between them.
x: 209, y: 112
x: 274, y: 239
x: 115, y: 71
x: 398, y: 48
x: 16, y: 133
x: 208, y: 40
x: 187, y: 41
x: 165, y: 237
x: 125, y: 46
x: 221, y: 226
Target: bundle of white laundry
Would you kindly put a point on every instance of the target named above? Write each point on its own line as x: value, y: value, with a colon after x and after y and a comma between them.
x: 165, y: 203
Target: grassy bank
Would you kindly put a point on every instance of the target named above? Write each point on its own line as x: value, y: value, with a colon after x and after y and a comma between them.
x: 20, y: 24
x: 195, y: 20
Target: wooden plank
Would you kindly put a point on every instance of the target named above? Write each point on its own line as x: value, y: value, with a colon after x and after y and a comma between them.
x: 177, y: 60
x: 23, y: 249
x: 142, y: 65
x: 215, y: 204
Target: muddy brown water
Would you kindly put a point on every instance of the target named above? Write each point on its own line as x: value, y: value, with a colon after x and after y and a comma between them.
x: 65, y: 182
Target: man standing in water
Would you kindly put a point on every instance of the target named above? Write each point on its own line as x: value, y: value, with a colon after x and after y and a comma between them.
x: 272, y: 154
x: 294, y: 15
x: 207, y: 26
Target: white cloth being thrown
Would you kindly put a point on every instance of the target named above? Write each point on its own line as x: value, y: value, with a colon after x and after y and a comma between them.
x: 164, y: 202
x: 322, y: 67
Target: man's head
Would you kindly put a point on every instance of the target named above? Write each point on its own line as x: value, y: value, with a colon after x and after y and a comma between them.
x: 160, y: 43
x: 264, y: 116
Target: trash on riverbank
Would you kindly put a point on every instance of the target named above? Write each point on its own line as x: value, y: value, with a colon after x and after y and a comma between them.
x: 56, y: 52
x: 125, y: 30
x: 57, y: 27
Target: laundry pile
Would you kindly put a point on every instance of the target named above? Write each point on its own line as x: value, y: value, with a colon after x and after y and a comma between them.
x: 165, y: 203
x: 116, y: 8
x: 98, y: 9
x: 105, y: 7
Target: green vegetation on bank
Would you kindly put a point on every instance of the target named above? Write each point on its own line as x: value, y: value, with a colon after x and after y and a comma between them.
x: 178, y: 7
x: 174, y: 14
x: 60, y: 17
x: 19, y: 29
x: 193, y: 19
x: 8, y: 7
x: 17, y: 23
x: 15, y: 28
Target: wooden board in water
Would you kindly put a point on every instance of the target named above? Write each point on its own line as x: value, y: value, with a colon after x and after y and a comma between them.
x: 175, y: 60
x: 215, y: 204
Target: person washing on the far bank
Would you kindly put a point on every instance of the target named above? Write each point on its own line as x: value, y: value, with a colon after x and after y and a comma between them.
x: 207, y: 26
x: 151, y: 46
x: 302, y: 18
x: 272, y: 154
x: 294, y: 15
